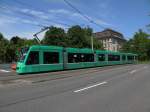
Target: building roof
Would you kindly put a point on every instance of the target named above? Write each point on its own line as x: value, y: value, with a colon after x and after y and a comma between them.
x: 109, y: 33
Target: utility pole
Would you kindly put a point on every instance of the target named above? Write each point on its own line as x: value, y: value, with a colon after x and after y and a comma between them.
x: 92, y: 42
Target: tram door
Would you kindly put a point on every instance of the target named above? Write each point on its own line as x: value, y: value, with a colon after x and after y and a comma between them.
x: 65, y: 60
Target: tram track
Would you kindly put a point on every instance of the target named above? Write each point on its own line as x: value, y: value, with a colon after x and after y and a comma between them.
x: 59, y: 74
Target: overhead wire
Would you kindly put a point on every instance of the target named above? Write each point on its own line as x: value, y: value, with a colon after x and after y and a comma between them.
x: 83, y: 15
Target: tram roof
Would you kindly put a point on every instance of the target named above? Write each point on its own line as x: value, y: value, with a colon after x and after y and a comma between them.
x: 77, y: 50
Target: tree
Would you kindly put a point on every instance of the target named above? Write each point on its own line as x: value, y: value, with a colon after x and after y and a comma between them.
x: 55, y: 36
x: 1, y: 36
x: 77, y: 37
x: 81, y: 37
x: 98, y: 44
x: 148, y: 48
x: 29, y: 42
x: 139, y: 44
x: 3, y: 44
x: 15, y: 40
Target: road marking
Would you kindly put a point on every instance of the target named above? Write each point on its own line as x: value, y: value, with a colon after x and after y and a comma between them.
x: 133, y: 71
x: 88, y: 87
x: 4, y: 70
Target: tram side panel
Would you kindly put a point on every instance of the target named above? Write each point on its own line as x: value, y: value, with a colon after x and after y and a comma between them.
x: 52, y: 60
x: 101, y: 58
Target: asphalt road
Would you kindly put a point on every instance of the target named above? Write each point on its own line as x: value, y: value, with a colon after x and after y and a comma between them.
x: 117, y: 89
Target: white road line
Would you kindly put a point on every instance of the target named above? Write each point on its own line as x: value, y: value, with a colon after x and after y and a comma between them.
x: 133, y: 71
x: 4, y: 70
x: 88, y: 87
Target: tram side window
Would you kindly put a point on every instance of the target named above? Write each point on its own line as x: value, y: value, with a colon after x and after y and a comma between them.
x: 117, y: 58
x: 88, y: 57
x: 130, y: 58
x: 123, y: 57
x: 78, y: 57
x: 110, y: 58
x: 113, y: 57
x: 51, y: 57
x: 73, y: 58
x: 33, y: 58
x: 101, y: 57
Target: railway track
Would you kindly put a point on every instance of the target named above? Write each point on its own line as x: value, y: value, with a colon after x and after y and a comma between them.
x: 56, y: 75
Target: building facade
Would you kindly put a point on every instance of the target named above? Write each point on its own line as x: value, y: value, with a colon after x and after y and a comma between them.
x: 111, y: 40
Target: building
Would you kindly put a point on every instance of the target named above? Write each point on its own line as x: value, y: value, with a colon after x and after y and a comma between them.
x: 111, y: 40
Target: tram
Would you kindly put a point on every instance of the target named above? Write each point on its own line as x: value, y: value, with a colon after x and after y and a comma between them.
x: 39, y: 58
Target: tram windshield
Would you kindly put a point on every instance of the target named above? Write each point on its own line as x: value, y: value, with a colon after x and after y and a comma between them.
x: 22, y: 53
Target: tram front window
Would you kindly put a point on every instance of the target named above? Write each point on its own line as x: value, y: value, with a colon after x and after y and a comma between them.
x: 22, y: 53
x: 33, y: 58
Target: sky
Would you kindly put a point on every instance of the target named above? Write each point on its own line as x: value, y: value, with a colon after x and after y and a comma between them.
x: 26, y: 17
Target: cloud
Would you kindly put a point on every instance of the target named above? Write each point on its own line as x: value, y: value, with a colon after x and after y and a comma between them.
x: 29, y: 21
x: 26, y: 12
x: 60, y: 11
x: 77, y: 16
x: 99, y: 21
x: 35, y: 13
x: 60, y: 26
x: 7, y: 20
x: 64, y: 12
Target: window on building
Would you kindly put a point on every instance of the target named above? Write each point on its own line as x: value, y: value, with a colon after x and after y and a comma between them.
x: 101, y: 57
x: 113, y: 57
x: 113, y: 41
x: 33, y: 58
x: 51, y: 57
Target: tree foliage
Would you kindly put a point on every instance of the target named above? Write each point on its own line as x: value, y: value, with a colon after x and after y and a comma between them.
x: 139, y: 44
x: 55, y: 36
x: 3, y: 47
x: 75, y: 37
